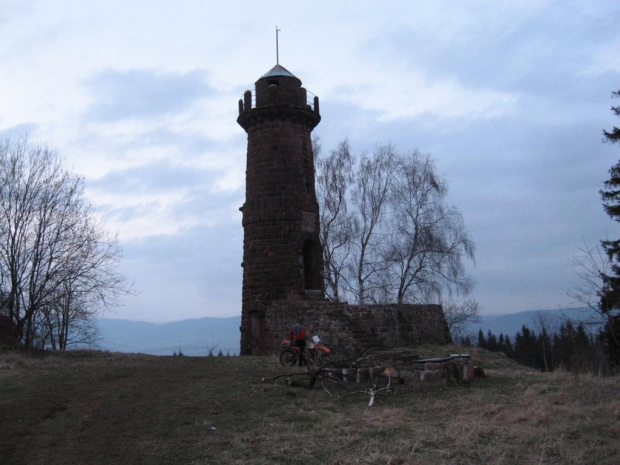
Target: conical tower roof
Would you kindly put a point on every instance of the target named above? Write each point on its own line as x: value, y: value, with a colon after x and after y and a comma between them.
x: 279, y: 70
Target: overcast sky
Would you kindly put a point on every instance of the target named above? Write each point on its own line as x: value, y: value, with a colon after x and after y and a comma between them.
x: 510, y: 98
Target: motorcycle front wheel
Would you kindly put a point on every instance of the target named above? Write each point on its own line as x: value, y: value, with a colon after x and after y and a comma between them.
x: 288, y: 358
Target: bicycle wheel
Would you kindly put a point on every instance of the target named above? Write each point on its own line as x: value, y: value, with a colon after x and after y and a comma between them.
x: 288, y: 358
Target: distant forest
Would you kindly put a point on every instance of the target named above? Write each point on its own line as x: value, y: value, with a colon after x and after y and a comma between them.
x: 571, y: 348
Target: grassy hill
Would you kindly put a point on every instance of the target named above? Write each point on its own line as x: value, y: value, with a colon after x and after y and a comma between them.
x: 104, y: 408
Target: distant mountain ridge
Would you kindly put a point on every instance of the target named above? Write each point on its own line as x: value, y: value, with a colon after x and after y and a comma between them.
x: 192, y: 337
x: 196, y: 336
x: 511, y: 323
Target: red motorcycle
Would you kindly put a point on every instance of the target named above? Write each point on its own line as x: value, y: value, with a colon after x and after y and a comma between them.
x: 315, y: 353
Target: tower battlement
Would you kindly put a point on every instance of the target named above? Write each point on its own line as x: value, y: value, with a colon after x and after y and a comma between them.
x: 278, y: 94
x: 306, y: 100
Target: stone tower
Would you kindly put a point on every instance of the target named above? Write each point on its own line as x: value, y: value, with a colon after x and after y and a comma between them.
x: 282, y: 255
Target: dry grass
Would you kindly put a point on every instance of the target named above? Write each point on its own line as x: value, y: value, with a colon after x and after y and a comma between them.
x: 97, y: 408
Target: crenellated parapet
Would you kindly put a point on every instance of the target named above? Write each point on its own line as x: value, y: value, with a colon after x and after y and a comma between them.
x: 278, y: 95
x: 306, y: 100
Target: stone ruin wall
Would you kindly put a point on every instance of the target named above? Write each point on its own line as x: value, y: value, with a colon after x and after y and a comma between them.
x: 357, y: 327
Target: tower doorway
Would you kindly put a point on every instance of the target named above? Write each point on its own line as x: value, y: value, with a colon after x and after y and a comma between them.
x: 311, y: 273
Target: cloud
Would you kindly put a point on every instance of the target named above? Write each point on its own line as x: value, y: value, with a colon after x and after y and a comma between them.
x: 526, y: 183
x: 160, y: 176
x: 163, y: 199
x: 143, y: 94
x: 489, y: 51
x: 409, y: 94
x: 509, y: 98
x: 21, y: 130
x: 189, y: 275
x: 13, y: 10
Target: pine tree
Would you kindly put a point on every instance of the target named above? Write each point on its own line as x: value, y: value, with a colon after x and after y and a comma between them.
x: 565, y: 349
x: 544, y: 351
x: 610, y: 293
x: 491, y: 342
x: 508, y: 347
x: 613, y: 136
x: 526, y: 347
x: 609, y: 337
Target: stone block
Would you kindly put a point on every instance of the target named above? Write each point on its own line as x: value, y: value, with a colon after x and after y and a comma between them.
x: 416, y: 377
x: 433, y: 366
x: 468, y: 372
x: 432, y: 376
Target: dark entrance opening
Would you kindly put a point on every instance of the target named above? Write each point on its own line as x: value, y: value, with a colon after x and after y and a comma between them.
x: 311, y: 273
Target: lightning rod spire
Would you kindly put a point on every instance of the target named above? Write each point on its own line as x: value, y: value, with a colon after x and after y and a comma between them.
x: 277, y: 47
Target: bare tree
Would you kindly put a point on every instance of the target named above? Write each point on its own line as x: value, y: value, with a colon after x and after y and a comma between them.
x: 429, y: 238
x: 370, y: 239
x: 57, y: 263
x: 335, y: 176
x: 544, y: 326
x: 459, y: 315
x: 591, y: 265
x: 388, y: 234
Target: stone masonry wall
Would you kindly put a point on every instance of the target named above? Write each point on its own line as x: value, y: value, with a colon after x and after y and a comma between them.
x: 280, y: 212
x: 355, y: 327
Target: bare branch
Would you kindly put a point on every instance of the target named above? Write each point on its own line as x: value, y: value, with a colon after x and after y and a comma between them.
x: 58, y: 266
